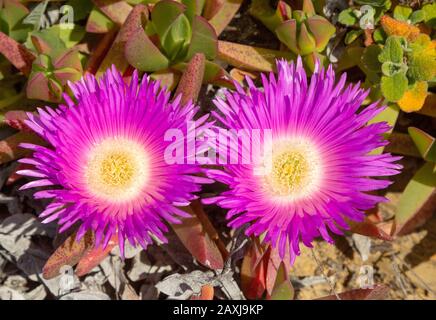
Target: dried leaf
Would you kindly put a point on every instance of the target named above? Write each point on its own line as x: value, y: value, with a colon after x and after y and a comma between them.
x: 250, y: 57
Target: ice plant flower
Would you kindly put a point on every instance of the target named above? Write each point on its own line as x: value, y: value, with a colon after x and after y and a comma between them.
x: 104, y: 164
x: 320, y: 160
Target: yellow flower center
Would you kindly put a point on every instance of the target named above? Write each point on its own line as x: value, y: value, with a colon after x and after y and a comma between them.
x: 295, y: 169
x: 117, y: 169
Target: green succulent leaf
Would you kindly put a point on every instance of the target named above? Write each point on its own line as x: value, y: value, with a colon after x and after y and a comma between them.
x: 306, y: 42
x: 98, y: 22
x: 424, y: 142
x: 392, y: 51
x: 262, y: 11
x: 177, y: 39
x: 193, y: 8
x: 347, y: 17
x: 394, y: 87
x: 287, y: 33
x: 321, y: 29
x: 141, y: 53
x: 416, y: 198
x: 283, y: 289
x: 163, y: 15
x: 12, y: 14
x: 402, y: 13
x: 204, y: 39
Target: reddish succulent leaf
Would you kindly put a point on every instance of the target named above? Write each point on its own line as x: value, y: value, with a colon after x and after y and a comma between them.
x: 116, y: 10
x: 200, y: 238
x: 116, y: 52
x: 20, y: 57
x: 69, y: 253
x: 379, y: 292
x: 9, y: 147
x: 69, y: 59
x: 92, y: 258
x: 283, y: 289
x: 249, y: 57
x: 321, y: 29
x: 207, y: 293
x: 212, y: 7
x: 274, y: 263
x: 192, y: 79
x: 15, y: 119
x: 369, y: 229
x: 39, y: 87
x: 253, y: 271
x: 226, y: 13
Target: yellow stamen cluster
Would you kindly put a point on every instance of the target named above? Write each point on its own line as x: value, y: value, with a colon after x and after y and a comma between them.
x: 295, y: 169
x: 117, y: 169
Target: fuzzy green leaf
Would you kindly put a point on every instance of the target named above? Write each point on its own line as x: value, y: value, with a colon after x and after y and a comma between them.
x: 392, y: 51
x: 394, y: 87
x: 429, y: 11
x: 417, y: 17
x: 402, y: 13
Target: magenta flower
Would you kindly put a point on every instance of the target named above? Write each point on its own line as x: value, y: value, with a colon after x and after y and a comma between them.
x: 104, y: 166
x: 320, y: 161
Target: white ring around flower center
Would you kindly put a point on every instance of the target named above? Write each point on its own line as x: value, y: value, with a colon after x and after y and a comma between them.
x: 295, y: 169
x: 117, y: 169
